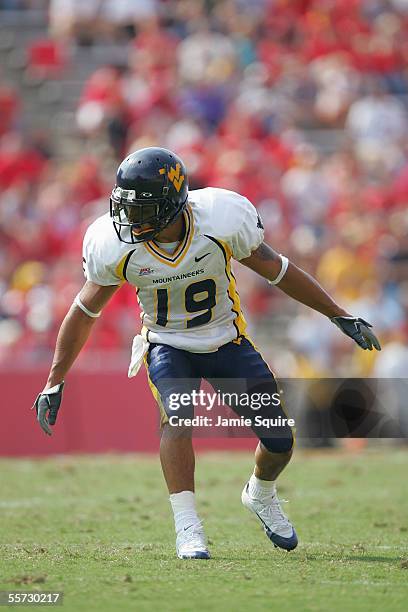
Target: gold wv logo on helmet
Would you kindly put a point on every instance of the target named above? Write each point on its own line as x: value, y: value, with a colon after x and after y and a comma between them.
x: 174, y: 176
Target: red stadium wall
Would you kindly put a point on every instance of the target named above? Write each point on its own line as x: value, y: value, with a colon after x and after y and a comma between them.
x: 101, y: 412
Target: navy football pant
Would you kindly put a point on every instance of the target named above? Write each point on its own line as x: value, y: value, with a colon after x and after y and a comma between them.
x: 235, y: 367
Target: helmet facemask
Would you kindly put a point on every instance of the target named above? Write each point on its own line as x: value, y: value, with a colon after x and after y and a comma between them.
x: 130, y: 214
x: 151, y: 191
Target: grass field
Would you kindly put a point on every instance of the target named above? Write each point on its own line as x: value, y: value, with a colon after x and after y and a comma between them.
x: 100, y: 529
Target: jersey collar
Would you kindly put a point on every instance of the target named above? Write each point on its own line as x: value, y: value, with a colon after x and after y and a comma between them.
x: 174, y: 259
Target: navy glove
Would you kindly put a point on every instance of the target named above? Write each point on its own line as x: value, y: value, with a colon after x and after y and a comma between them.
x: 358, y: 329
x: 49, y: 402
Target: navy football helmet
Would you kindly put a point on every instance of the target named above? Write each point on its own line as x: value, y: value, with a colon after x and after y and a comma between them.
x: 151, y: 191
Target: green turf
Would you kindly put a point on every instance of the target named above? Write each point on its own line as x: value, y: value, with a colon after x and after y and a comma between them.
x: 99, y: 529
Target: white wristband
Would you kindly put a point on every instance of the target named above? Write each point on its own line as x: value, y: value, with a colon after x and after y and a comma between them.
x: 284, y: 267
x: 93, y: 315
x: 54, y: 389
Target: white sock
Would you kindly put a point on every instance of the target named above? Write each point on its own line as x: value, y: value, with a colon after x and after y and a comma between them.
x: 184, y: 510
x: 261, y: 489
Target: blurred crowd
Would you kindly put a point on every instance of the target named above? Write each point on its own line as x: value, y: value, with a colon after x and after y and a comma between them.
x: 300, y: 105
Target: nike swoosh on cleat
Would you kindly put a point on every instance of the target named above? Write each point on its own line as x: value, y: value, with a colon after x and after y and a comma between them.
x: 189, y: 527
x: 270, y: 533
x: 197, y: 259
x: 255, y: 512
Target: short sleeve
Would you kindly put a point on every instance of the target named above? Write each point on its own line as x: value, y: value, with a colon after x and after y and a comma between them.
x: 95, y: 266
x: 250, y: 231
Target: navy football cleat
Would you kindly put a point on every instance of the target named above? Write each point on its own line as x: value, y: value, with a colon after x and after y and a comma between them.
x: 277, y: 526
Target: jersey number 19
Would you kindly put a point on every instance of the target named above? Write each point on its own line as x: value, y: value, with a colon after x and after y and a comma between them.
x: 193, y: 302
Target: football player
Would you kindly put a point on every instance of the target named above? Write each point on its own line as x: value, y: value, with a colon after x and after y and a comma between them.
x: 176, y: 247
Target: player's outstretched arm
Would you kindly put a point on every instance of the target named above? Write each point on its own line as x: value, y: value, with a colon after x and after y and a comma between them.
x: 302, y: 287
x: 74, y: 332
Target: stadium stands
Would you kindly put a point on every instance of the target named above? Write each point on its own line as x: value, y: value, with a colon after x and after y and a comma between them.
x: 301, y: 106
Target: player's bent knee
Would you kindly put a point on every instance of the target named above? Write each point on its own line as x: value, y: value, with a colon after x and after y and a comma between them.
x: 279, y: 445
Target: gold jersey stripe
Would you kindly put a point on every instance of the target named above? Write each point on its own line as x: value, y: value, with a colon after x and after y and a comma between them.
x: 239, y: 321
x: 123, y: 264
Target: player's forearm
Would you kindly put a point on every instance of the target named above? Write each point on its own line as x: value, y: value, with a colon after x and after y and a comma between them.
x: 76, y: 327
x: 72, y: 336
x: 303, y: 288
x: 295, y: 282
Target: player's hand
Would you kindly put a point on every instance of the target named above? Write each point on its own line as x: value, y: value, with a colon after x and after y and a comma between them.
x: 47, y: 405
x: 359, y: 330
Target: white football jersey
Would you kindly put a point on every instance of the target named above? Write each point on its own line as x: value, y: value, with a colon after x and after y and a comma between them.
x: 189, y: 298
